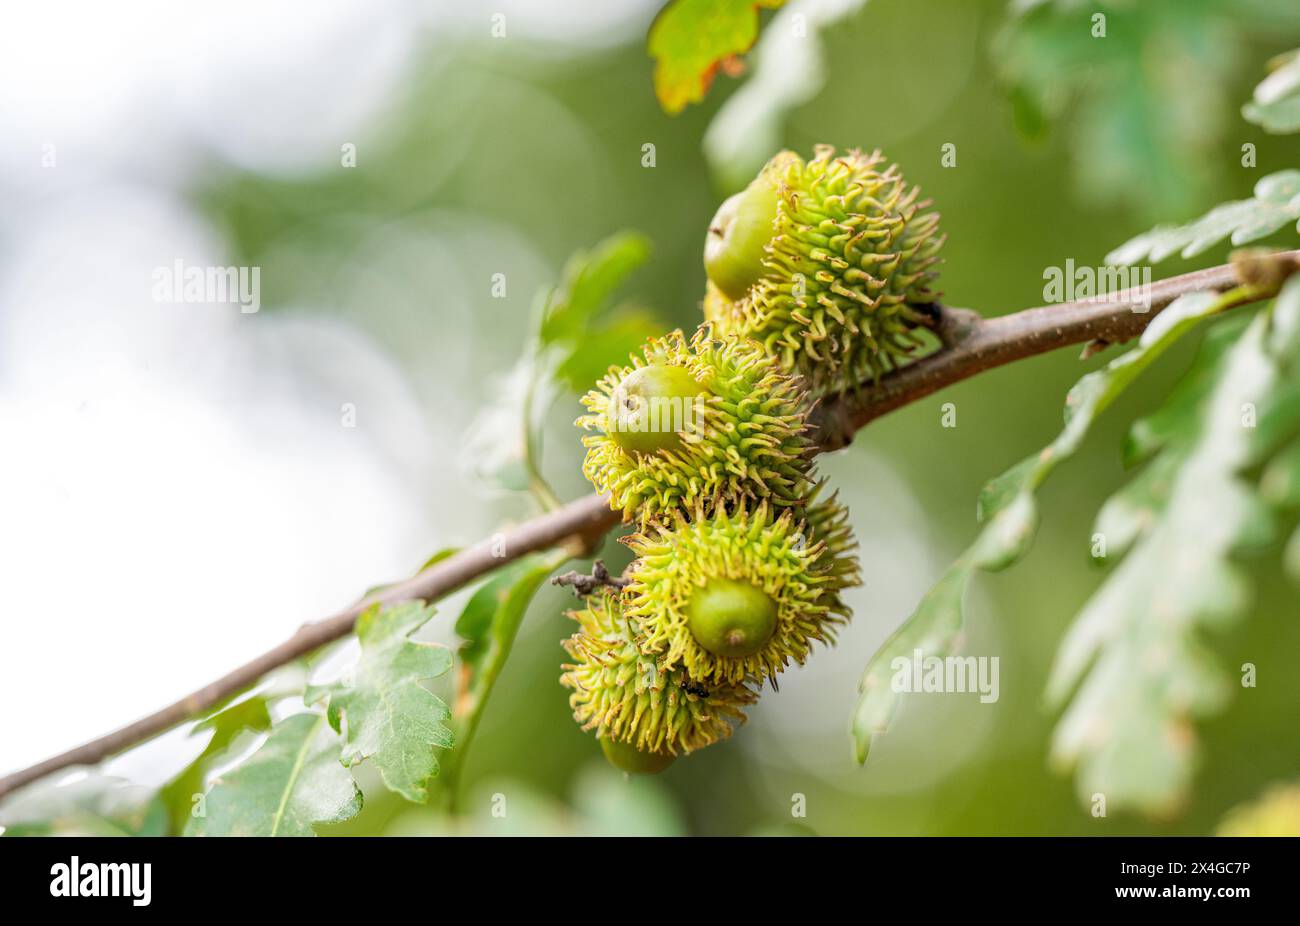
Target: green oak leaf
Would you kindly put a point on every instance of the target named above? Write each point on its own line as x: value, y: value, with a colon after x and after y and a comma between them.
x: 292, y: 783
x: 933, y: 629
x: 384, y: 711
x: 584, y: 362
x: 575, y: 348
x: 225, y: 726
x: 1276, y: 202
x: 1130, y: 512
x: 1174, y: 422
x: 1279, y: 484
x: 1160, y: 440
x: 589, y: 281
x: 1145, y: 104
x: 90, y: 804
x: 244, y: 715
x: 1133, y: 658
x: 488, y: 626
x: 489, y: 623
x: 1276, y: 102
x: 690, y: 39
x: 1009, y: 511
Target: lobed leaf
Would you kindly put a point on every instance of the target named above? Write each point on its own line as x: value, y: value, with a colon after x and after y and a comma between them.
x: 691, y: 39
x: 384, y: 713
x: 1009, y: 511
x: 1279, y: 484
x: 293, y: 783
x: 1276, y: 202
x: 933, y: 629
x: 1133, y: 658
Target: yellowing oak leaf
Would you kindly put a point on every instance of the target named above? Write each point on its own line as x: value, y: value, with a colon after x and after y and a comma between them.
x: 691, y: 39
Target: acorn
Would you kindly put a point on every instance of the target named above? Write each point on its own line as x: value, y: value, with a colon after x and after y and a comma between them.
x: 627, y: 758
x: 825, y: 263
x: 634, y: 402
x: 731, y: 618
x: 741, y: 229
x: 643, y: 712
x: 694, y: 423
x: 741, y: 592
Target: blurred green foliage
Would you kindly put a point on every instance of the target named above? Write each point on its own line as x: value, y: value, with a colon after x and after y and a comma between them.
x: 95, y: 805
x: 1276, y: 102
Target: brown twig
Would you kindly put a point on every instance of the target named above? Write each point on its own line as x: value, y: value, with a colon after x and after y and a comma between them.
x: 586, y: 519
x: 584, y: 584
x: 976, y: 344
x: 972, y: 345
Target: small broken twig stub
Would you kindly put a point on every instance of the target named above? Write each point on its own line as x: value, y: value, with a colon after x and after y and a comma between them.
x: 584, y: 585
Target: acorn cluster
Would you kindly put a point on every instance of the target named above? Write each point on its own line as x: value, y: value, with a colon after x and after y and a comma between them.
x: 705, y: 446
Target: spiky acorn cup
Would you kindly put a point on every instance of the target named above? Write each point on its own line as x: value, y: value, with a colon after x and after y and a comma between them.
x: 826, y: 523
x: 692, y: 423
x: 832, y: 289
x: 643, y: 712
x: 742, y: 592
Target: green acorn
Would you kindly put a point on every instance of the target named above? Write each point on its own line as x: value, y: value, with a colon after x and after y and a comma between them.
x: 824, y: 263
x: 627, y: 758
x: 633, y: 702
x: 628, y: 421
x: 741, y: 229
x: 827, y: 525
x: 695, y: 422
x: 731, y: 618
x: 740, y: 593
